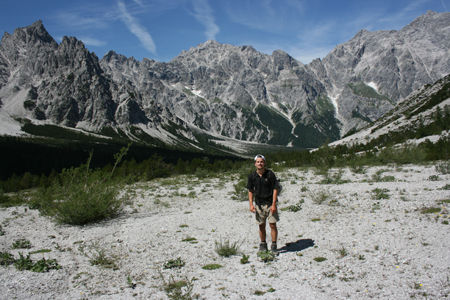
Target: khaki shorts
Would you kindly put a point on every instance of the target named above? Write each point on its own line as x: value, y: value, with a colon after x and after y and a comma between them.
x: 263, y: 212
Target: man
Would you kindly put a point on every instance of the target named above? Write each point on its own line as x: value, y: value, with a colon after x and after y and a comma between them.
x: 263, y: 187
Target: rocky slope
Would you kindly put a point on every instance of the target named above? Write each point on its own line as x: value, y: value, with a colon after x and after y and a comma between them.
x: 217, y: 91
x: 425, y: 114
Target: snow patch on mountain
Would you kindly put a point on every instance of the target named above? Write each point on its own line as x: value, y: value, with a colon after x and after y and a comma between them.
x: 372, y: 85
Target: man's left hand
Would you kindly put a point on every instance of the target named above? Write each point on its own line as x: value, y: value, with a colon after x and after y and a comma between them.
x: 273, y: 208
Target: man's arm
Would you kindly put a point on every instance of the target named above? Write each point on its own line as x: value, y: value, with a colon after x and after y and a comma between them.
x: 273, y: 208
x: 250, y: 199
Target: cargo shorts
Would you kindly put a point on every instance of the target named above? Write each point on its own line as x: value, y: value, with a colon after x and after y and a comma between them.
x: 263, y: 212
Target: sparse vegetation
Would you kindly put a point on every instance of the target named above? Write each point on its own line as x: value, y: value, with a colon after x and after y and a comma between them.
x: 21, y: 244
x: 178, y: 289
x: 100, y: 258
x: 319, y: 259
x: 244, y: 259
x: 379, y: 194
x: 443, y: 167
x: 320, y: 197
x: 212, y: 267
x: 191, y: 240
x: 343, y: 252
x: 430, y: 210
x: 174, y: 263
x: 6, y: 259
x: 266, y: 256
x: 226, y: 248
x: 40, y: 266
x: 294, y: 207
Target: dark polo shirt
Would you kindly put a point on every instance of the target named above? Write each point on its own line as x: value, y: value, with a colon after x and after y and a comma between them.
x: 262, y: 186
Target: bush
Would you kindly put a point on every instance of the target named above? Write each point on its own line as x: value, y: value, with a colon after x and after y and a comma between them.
x: 80, y: 196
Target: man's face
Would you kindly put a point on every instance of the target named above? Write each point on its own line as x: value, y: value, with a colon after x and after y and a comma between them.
x: 260, y: 163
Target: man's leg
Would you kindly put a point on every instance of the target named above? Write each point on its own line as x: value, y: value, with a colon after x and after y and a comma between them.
x: 262, y: 236
x: 262, y: 232
x: 274, y: 235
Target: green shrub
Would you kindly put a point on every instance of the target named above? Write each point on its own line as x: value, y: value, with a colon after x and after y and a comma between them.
x: 45, y: 265
x: 320, y: 197
x: 191, y: 240
x: 443, y: 167
x: 244, y: 259
x: 320, y: 259
x: 226, y: 248
x: 6, y: 259
x: 21, y: 244
x: 179, y: 290
x: 430, y: 210
x: 379, y: 194
x: 101, y: 259
x: 433, y: 178
x: 23, y: 263
x: 240, y: 188
x: 9, y: 201
x: 174, y: 263
x: 335, y: 178
x: 211, y: 267
x: 295, y: 207
x: 81, y: 196
x: 266, y: 256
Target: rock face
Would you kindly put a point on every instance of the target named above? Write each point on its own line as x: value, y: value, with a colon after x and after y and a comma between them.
x: 370, y: 73
x: 219, y: 89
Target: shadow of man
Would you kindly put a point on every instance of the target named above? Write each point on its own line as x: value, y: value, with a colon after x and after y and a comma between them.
x: 296, y: 246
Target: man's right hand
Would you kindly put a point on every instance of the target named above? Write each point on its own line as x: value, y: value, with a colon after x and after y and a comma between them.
x: 252, y: 208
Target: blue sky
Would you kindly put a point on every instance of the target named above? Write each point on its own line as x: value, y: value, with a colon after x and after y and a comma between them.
x: 161, y: 29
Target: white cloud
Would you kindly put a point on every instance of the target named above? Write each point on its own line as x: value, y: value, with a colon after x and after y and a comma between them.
x: 203, y: 13
x: 133, y: 25
x: 92, y: 41
x: 139, y: 2
x: 80, y: 20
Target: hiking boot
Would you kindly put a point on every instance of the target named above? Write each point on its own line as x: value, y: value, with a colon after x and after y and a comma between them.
x: 273, y: 247
x: 263, y: 246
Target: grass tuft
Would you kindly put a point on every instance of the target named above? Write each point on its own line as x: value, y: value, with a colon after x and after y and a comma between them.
x: 174, y: 263
x: 266, y: 256
x: 212, y: 267
x: 320, y: 259
x: 226, y: 248
x: 21, y: 244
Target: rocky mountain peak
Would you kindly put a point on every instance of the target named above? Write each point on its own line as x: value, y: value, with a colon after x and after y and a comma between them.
x: 31, y: 35
x: 221, y: 90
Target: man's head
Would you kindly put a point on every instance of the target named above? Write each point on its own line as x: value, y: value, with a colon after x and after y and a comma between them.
x: 260, y: 162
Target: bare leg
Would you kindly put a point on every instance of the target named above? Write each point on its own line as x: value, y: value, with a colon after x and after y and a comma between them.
x: 262, y: 232
x: 273, y: 231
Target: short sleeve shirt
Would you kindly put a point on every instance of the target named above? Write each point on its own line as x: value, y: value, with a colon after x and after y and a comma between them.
x: 262, y: 186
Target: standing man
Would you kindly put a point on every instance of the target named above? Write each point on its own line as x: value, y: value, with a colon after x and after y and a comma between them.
x: 263, y: 187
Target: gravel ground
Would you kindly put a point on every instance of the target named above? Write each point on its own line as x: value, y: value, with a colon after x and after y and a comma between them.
x: 369, y: 227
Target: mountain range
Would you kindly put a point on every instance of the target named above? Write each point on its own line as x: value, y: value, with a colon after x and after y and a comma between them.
x: 217, y: 94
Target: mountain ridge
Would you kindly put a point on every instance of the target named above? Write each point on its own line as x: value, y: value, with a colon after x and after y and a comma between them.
x: 220, y: 90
